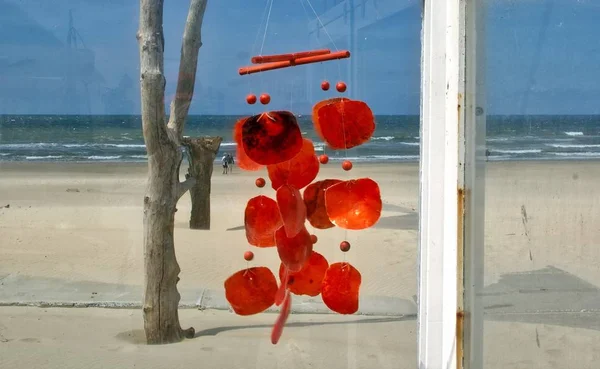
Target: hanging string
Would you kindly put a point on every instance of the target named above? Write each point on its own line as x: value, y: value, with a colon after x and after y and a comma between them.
x: 262, y: 77
x: 292, y: 98
x: 322, y: 25
x: 339, y: 62
x: 266, y: 27
x: 262, y: 20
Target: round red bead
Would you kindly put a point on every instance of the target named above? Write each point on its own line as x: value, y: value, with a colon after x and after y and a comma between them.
x: 344, y: 246
x: 265, y: 99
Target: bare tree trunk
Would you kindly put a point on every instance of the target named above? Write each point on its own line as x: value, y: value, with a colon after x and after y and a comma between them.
x: 161, y: 298
x: 202, y: 153
x: 163, y: 190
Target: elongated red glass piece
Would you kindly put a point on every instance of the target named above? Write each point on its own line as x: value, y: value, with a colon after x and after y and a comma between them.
x: 280, y: 295
x: 292, y: 209
x: 281, y: 319
x: 293, y: 251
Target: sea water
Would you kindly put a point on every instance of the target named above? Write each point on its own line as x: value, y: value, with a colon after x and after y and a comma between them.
x: 396, y: 138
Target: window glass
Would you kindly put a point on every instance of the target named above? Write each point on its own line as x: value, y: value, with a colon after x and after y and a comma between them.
x: 542, y: 193
x: 73, y: 175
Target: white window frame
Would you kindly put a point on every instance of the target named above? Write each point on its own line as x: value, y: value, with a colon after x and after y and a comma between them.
x: 452, y: 172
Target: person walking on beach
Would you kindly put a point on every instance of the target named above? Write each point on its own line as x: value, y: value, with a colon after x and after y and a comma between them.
x: 230, y: 162
x: 225, y: 161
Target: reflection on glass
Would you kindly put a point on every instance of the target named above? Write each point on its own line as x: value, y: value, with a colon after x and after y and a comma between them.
x: 73, y: 175
x: 543, y: 145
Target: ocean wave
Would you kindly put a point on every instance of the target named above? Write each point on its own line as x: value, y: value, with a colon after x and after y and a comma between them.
x: 573, y: 133
x: 575, y: 154
x: 410, y: 143
x: 121, y: 146
x: 375, y: 158
x: 99, y: 157
x: 5, y: 153
x: 41, y: 145
x: 563, y: 146
x: 139, y: 156
x: 319, y: 146
x: 48, y: 157
x: 383, y: 138
x: 228, y: 144
x: 529, y: 151
x: 500, y: 139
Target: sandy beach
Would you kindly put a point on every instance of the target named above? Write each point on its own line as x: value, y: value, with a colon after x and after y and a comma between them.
x: 83, y: 223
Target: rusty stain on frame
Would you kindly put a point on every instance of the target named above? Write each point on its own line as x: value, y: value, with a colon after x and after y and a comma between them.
x: 460, y: 216
x: 460, y: 315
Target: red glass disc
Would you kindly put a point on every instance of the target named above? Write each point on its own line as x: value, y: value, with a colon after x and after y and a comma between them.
x: 292, y: 209
x: 308, y: 280
x: 242, y: 160
x: 261, y: 220
x: 354, y: 204
x: 272, y: 137
x: 251, y: 291
x: 340, y: 288
x: 298, y: 171
x: 295, y: 251
x: 343, y: 123
x: 314, y: 199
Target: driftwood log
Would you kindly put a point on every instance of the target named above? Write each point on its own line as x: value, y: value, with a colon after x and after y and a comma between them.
x: 163, y: 143
x: 202, y: 152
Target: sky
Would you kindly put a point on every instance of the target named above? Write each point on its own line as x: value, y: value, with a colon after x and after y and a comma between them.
x: 542, y: 56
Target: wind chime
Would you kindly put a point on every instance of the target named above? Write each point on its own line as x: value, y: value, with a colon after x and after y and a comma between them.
x: 273, y: 139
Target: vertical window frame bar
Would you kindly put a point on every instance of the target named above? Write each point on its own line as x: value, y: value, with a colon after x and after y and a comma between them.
x: 474, y: 181
x: 452, y: 171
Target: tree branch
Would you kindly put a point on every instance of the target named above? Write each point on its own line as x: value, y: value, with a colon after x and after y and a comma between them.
x: 185, y: 186
x: 152, y: 79
x: 192, y: 41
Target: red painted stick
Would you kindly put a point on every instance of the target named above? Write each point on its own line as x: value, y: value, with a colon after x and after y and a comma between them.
x: 321, y: 58
x: 286, y: 57
x: 264, y: 67
x: 290, y: 63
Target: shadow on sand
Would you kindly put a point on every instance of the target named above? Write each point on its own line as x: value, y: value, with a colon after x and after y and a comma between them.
x: 137, y: 336
x: 216, y: 330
